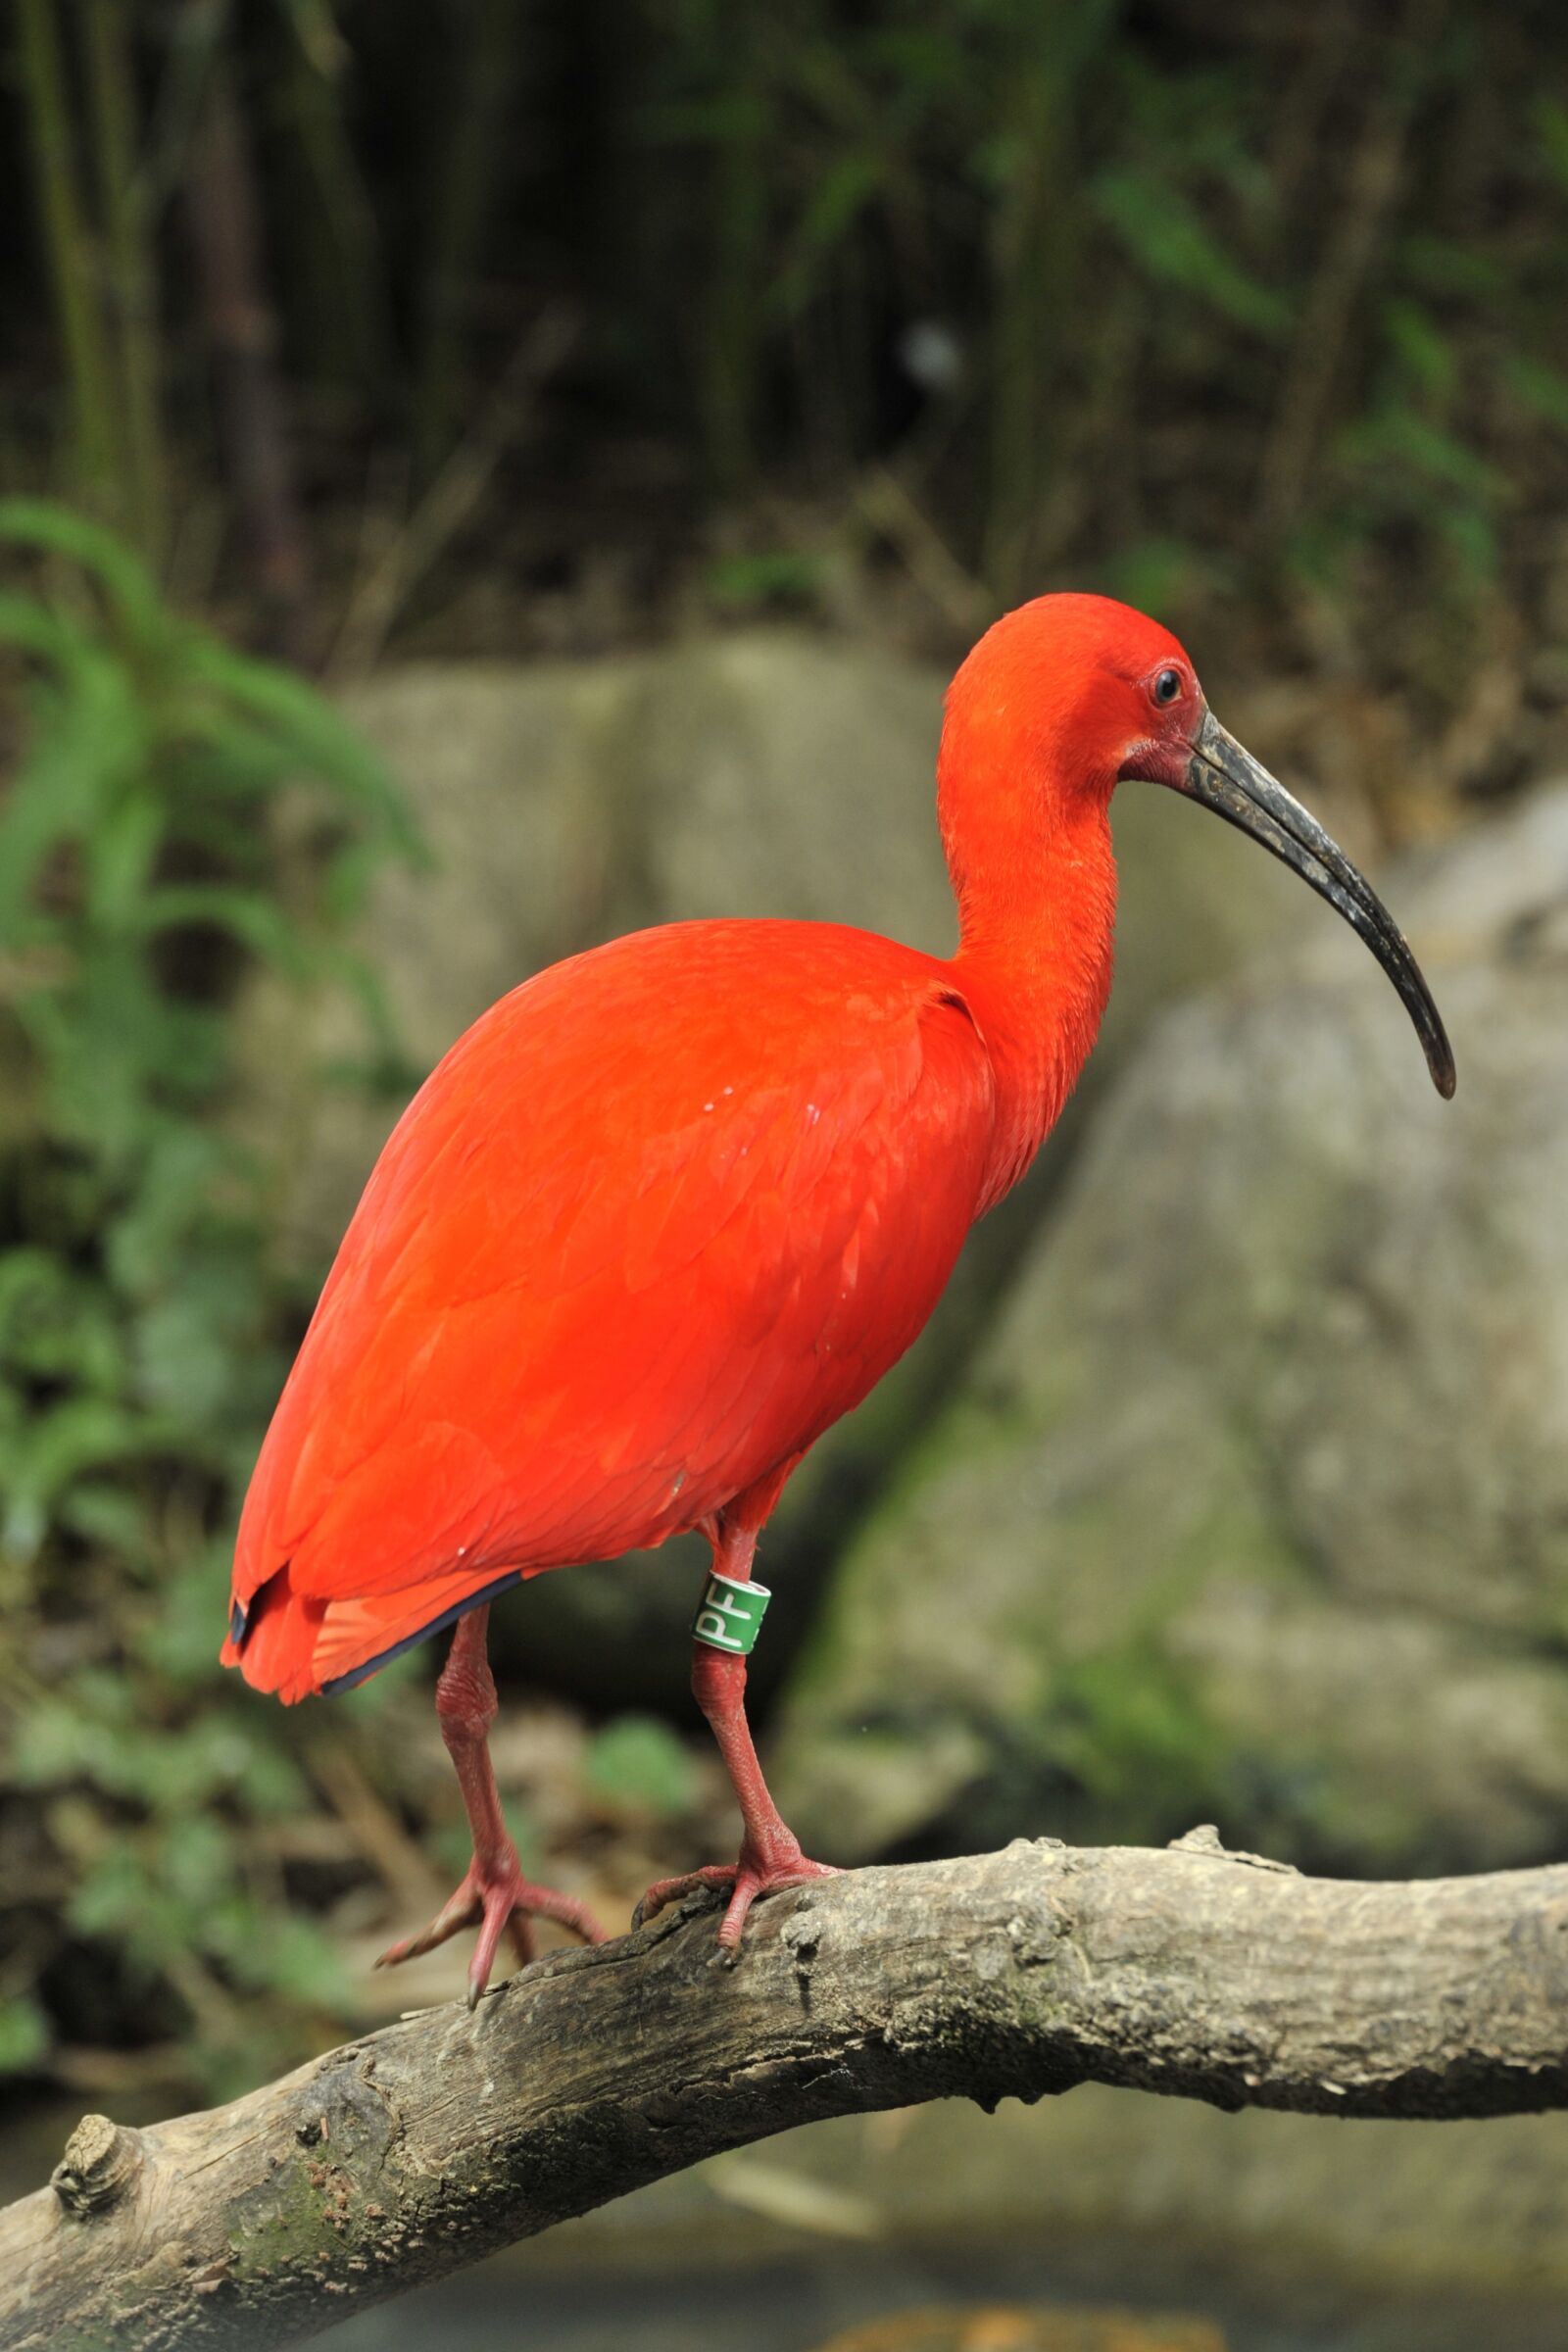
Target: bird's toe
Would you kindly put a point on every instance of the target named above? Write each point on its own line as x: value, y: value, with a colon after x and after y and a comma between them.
x: 503, y: 1902
x: 459, y: 1912
x: 664, y: 1891
x: 751, y: 1884
x: 745, y: 1884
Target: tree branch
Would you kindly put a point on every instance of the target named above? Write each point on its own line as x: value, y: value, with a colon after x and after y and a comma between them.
x: 408, y: 2154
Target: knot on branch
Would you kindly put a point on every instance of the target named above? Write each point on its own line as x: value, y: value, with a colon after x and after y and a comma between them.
x: 1205, y: 1839
x: 100, y: 2164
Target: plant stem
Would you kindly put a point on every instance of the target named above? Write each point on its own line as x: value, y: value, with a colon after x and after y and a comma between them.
x: 336, y: 262
x: 463, y: 183
x: 132, y: 295
x: 730, y: 346
x: 225, y: 230
x: 1035, y: 270
x: 66, y: 243
x: 1372, y: 183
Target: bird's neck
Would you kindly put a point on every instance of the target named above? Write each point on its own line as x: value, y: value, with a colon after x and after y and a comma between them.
x: 1037, y: 914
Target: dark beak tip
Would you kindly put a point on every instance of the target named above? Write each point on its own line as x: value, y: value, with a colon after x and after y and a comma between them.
x: 1224, y: 777
x: 1440, y: 1062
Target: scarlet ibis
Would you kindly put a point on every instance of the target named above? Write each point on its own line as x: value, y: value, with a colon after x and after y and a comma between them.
x: 672, y: 1206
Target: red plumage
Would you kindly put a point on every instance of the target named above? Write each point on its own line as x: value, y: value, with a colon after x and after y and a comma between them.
x: 655, y: 1221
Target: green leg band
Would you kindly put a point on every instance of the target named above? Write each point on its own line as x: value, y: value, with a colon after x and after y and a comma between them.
x: 729, y: 1614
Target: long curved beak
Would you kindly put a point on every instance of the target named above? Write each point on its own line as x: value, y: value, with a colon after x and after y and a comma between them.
x: 1229, y: 780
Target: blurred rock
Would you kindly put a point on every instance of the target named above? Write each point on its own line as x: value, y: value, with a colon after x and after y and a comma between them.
x: 760, y: 774
x: 1254, y: 1506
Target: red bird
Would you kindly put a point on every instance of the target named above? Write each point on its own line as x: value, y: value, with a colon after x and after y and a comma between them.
x: 674, y: 1205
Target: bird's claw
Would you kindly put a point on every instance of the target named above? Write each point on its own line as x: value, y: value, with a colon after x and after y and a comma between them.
x: 503, y: 1902
x: 748, y: 1882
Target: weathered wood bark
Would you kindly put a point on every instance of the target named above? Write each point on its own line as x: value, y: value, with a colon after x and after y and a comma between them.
x: 406, y: 2155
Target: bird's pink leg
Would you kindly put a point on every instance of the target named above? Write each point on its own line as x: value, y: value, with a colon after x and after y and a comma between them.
x: 493, y: 1891
x: 770, y: 1857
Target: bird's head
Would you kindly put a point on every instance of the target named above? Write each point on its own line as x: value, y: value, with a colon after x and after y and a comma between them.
x: 1075, y: 695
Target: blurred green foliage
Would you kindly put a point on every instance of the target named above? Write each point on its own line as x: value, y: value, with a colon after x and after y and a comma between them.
x: 144, y: 1329
x: 637, y: 1764
x: 1166, y: 299
x: 1288, y: 291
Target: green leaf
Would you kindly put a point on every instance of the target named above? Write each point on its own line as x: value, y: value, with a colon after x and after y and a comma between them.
x: 24, y: 2033
x: 309, y: 729
x: 1550, y: 125
x: 260, y: 923
x: 841, y: 194
x: 291, y: 1955
x: 1541, y: 387
x: 85, y: 751
x: 38, y: 523
x: 783, y: 575
x: 1165, y: 237
x: 65, y: 1443
x: 1425, y: 352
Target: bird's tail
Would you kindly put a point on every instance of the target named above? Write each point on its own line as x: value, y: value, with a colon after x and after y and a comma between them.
x: 297, y: 1644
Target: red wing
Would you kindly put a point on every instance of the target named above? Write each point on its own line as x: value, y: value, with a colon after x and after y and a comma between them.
x: 654, y: 1224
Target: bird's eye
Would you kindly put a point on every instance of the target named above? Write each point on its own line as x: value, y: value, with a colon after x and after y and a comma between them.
x: 1168, y: 687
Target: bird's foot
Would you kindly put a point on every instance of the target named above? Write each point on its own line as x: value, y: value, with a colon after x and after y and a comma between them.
x: 751, y: 1875
x: 500, y: 1900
